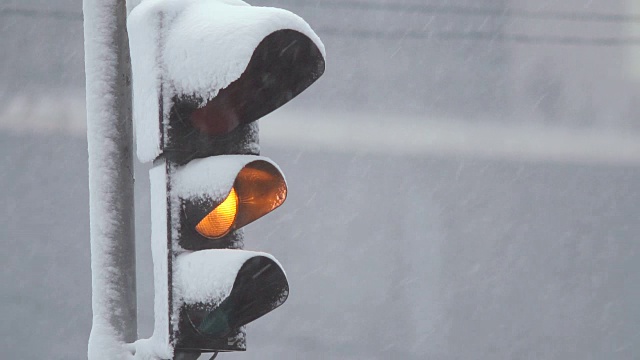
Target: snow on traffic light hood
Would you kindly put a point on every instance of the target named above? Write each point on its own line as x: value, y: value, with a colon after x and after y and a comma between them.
x: 194, y: 47
x: 209, y: 275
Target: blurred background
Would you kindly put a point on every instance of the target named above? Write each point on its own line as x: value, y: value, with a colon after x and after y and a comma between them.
x: 463, y: 184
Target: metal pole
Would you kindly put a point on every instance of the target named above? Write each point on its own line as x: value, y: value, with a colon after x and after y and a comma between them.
x: 110, y: 142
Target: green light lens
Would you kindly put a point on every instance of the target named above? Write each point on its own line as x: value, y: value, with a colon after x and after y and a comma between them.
x: 216, y: 323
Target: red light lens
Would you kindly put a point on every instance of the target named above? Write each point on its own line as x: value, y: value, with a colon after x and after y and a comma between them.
x: 217, y: 117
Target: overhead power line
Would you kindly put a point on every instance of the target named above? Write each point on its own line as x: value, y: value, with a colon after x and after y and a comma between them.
x: 420, y: 35
x: 479, y: 35
x: 578, y: 16
x: 41, y: 13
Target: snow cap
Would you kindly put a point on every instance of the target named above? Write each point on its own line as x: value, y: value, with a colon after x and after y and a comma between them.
x: 194, y: 47
x: 214, y: 176
x: 208, y: 275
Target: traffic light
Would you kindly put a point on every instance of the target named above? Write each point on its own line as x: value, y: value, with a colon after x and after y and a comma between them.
x: 203, y: 72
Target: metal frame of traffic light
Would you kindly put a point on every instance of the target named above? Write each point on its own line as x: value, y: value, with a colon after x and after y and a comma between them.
x: 189, y: 251
x: 237, y: 106
x: 193, y: 126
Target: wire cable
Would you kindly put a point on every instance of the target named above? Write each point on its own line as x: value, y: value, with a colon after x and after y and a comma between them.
x: 581, y: 16
x: 417, y: 35
x: 37, y: 13
x: 479, y: 35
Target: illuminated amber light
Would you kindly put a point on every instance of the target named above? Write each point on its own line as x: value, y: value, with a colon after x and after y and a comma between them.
x: 261, y: 189
x: 258, y: 189
x: 219, y: 221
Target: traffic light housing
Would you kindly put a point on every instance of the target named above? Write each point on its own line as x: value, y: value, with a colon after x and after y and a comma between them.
x: 210, y: 321
x: 284, y: 64
x: 214, y: 203
x: 203, y: 72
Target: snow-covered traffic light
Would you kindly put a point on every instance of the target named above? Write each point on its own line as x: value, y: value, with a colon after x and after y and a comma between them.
x: 203, y: 72
x: 218, y: 290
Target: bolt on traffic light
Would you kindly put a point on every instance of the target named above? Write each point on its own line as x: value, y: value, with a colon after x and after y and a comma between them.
x: 203, y: 72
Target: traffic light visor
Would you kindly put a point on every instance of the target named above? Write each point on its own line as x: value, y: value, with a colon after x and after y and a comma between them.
x: 258, y: 189
x: 260, y: 287
x: 239, y: 62
x: 223, y: 193
x: 283, y: 65
x: 261, y: 189
x: 223, y: 289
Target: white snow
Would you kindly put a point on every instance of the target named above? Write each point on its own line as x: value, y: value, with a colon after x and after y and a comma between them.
x: 206, y: 275
x: 148, y: 349
x: 159, y: 252
x: 213, y: 176
x: 144, y: 37
x: 194, y: 47
x: 158, y: 346
x: 210, y: 44
x: 110, y: 183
